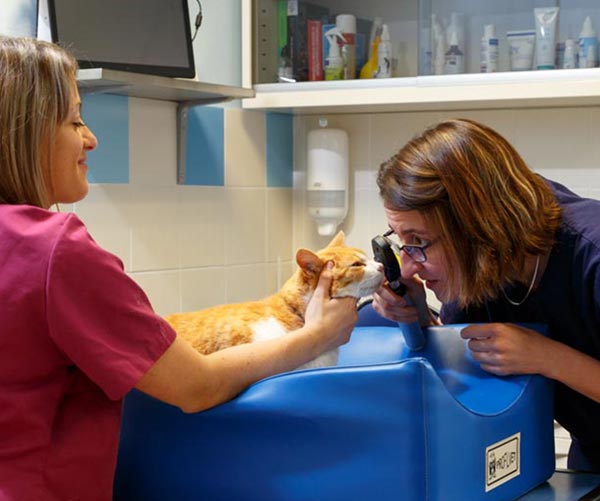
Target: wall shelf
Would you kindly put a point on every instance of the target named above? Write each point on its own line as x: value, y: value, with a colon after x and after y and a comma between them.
x: 155, y: 87
x: 528, y: 89
x: 185, y: 92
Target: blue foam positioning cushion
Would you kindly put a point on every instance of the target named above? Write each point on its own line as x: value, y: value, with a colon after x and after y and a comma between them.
x: 384, y: 424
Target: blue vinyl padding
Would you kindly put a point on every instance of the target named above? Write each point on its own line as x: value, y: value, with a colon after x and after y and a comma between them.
x: 367, y: 316
x: 384, y: 424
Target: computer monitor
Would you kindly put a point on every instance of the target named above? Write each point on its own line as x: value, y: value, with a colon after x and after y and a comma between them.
x: 142, y: 36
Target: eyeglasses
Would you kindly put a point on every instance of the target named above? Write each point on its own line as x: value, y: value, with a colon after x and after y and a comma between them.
x: 415, y: 251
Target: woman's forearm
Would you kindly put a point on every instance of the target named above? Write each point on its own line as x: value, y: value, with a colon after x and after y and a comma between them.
x: 573, y: 368
x: 195, y: 382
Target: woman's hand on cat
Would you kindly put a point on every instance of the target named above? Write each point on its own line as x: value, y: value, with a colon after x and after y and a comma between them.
x: 333, y: 319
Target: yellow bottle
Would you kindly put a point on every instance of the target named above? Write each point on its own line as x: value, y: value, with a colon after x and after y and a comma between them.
x: 370, y: 67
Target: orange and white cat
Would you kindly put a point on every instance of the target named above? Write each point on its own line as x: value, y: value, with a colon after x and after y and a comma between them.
x: 222, y: 326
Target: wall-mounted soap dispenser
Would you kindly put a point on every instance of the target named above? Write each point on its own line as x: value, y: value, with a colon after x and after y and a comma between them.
x: 327, y: 177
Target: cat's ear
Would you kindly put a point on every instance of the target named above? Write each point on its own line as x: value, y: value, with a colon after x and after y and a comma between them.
x: 309, y: 261
x: 338, y: 241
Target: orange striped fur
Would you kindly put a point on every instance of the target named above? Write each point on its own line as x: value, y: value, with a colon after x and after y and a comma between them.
x: 227, y: 325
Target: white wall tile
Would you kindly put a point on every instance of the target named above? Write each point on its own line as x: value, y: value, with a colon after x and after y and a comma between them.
x: 201, y: 226
x: 105, y: 212
x: 594, y: 145
x: 560, y: 432
x: 152, y: 142
x: 246, y: 282
x: 358, y: 228
x: 555, y: 140
x: 278, y: 273
x: 162, y: 289
x: 391, y: 131
x: 202, y: 288
x: 376, y: 216
x: 279, y: 224
x: 301, y: 224
x: 594, y: 193
x: 503, y: 121
x: 245, y: 148
x: 154, y: 235
x: 562, y: 443
x: 245, y: 238
x: 63, y: 208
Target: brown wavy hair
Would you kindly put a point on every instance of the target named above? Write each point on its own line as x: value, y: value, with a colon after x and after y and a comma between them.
x: 492, y: 211
x: 35, y: 92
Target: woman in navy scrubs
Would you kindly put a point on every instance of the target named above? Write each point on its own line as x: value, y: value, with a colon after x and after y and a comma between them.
x: 499, y: 245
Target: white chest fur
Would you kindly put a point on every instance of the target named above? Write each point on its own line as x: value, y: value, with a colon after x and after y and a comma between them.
x: 266, y: 329
x: 270, y: 328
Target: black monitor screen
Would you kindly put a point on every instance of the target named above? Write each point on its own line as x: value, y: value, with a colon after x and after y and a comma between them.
x: 144, y: 36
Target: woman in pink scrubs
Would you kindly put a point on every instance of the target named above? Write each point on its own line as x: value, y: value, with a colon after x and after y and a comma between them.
x: 76, y: 333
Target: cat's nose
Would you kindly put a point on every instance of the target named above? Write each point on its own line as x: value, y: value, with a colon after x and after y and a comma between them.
x: 379, y: 267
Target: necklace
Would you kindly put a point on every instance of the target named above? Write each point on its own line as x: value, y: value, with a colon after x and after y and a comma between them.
x: 535, y: 272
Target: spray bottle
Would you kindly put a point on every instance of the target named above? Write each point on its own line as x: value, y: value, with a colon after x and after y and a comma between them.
x: 455, y: 59
x: 456, y: 25
x: 384, y: 55
x: 334, y: 64
x: 588, y: 45
x: 347, y: 25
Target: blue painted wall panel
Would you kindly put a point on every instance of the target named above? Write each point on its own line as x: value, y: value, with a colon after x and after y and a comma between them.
x: 205, y: 148
x: 280, y: 150
x: 107, y: 116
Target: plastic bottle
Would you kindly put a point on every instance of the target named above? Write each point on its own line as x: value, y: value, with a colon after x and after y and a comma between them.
x: 285, y: 72
x: 559, y: 58
x: 570, y: 56
x: 489, y: 50
x: 439, y: 52
x: 455, y: 59
x: 347, y: 25
x: 370, y: 67
x: 588, y: 45
x: 457, y: 25
x: 384, y: 54
x: 334, y: 64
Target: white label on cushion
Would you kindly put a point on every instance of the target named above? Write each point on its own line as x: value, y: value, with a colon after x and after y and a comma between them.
x: 502, y: 461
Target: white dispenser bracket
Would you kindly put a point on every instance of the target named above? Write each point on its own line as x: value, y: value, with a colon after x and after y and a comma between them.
x: 327, y: 177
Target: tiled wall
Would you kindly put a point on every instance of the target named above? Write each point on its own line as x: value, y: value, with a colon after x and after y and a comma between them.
x: 231, y: 232
x: 226, y: 236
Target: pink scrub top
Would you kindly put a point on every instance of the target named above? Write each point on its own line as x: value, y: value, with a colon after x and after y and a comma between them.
x: 76, y: 334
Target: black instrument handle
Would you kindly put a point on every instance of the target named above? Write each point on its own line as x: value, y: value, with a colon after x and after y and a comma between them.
x: 384, y: 254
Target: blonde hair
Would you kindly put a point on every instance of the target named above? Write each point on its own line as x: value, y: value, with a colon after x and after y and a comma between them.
x: 35, y: 92
x: 492, y: 211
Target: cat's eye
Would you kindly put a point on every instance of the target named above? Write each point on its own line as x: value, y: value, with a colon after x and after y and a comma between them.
x: 358, y: 263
